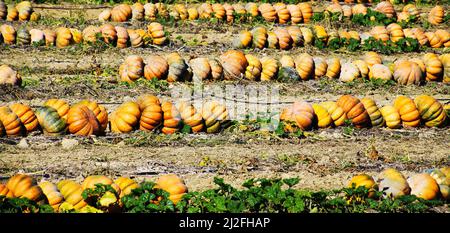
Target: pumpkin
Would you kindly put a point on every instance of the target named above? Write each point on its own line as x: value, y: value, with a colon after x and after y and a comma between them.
x: 63, y: 37
x: 50, y: 121
x: 151, y: 112
x: 421, y: 65
x: 307, y: 35
x: 37, y: 36
x: 403, y: 16
x: 82, y: 121
x: 105, y: 15
x: 430, y: 110
x: 304, y: 64
x: 355, y: 110
x: 71, y: 192
x: 181, y: 11
x: 376, y: 117
x: 268, y: 12
x: 215, y: 115
x: 282, y: 13
x: 444, y: 36
x: 254, y: 68
x: 349, y: 72
x: 407, y: 109
x: 150, y: 11
x: 434, y: 67
x: 11, y: 122
x: 287, y: 61
x: 156, y: 31
x: 407, y: 72
x: 25, y: 9
x: 90, y: 182
x: 296, y: 35
x: 136, y: 39
x: 300, y: 113
x: 445, y: 59
x: 272, y: 40
x: 125, y: 118
x: 320, y: 33
x: 259, y: 37
x: 172, y: 184
x: 23, y: 37
x: 219, y: 11
x: 13, y: 13
x: 379, y: 71
x: 411, y: 9
x: 380, y: 33
x: 50, y: 37
x: 324, y: 119
x: 284, y: 38
x: 252, y: 9
x: 200, y: 68
x: 234, y: 64
x: 363, y: 68
x: 109, y: 33
x: 442, y: 180
x: 122, y: 37
x: 395, y: 32
x: 193, y: 13
x: 9, y: 76
x: 393, y: 184
x: 391, y: 117
x: 205, y: 10
x: 216, y: 69
x: 172, y: 118
x: 420, y: 35
x: 155, y: 67
x: 364, y: 180
x: 54, y: 197
x: 178, y: 69
x: 24, y: 186
x: 239, y: 9
x: 229, y: 10
x: 424, y: 186
x: 269, y: 68
x: 334, y: 8
x: 137, y: 11
x: 77, y: 36
x: 295, y: 13
x: 162, y: 10
x: 336, y: 112
x: 334, y: 68
x: 372, y: 58
x: 99, y: 111
x: 359, y: 9
x: 121, y: 13
x: 4, y: 191
x: 307, y: 11
x: 61, y: 106
x: 347, y: 11
x: 126, y: 185
x: 26, y: 116
x: 8, y: 33
x: 436, y: 15
x: 243, y: 40
x: 320, y: 67
x: 3, y: 10
x: 386, y: 8
x: 190, y: 116
x: 131, y: 69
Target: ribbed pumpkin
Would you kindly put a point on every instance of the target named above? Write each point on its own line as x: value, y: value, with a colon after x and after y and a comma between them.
x: 395, y: 32
x: 105, y: 15
x: 334, y: 68
x: 214, y: 115
x: 4, y: 191
x: 205, y: 10
x: 150, y: 11
x: 131, y: 69
x: 200, y: 68
x: 172, y: 184
x: 444, y: 36
x: 11, y: 122
x: 72, y: 193
x: 54, y: 197
x: 269, y: 68
x: 307, y: 35
x: 259, y: 37
x: 63, y: 37
x: 282, y: 13
x: 393, y: 184
x: 121, y: 13
x: 372, y: 58
x: 122, y: 37
x: 272, y: 41
x: 300, y: 113
x: 126, y: 185
x: 320, y: 67
x: 436, y: 15
x: 243, y: 40
x: 125, y: 118
x: 411, y: 9
x: 408, y: 112
x: 386, y: 8
x: 216, y: 69
x: 324, y: 119
x: 379, y: 71
x: 193, y: 13
x: 268, y: 12
x: 8, y: 33
x: 234, y: 64
x: 25, y: 9
x: 284, y: 38
x: 109, y: 33
x: 359, y: 9
x: 90, y: 182
x: 190, y: 116
x: 380, y: 33
x: 364, y: 180
x: 376, y: 118
x: 86, y: 118
x: 407, y: 72
x: 26, y: 116
x: 24, y: 186
x: 172, y: 118
x: 442, y: 180
x: 50, y: 37
x: 287, y: 61
x: 3, y: 10
x: 137, y: 11
x: 434, y: 67
x: 424, y: 186
x: 155, y: 67
x: 295, y: 12
x: 307, y: 11
x: 156, y: 30
x: 355, y: 110
x: 136, y: 39
x: 304, y: 64
x: 420, y: 36
x: 433, y: 39
x: 391, y: 117
x: 296, y: 35
x: 229, y: 11
x: 431, y: 111
x: 151, y: 112
x: 254, y: 68
x: 336, y: 112
x: 77, y: 36
x: 445, y: 59
x: 219, y: 11
x: 61, y: 106
x: 13, y: 13
x: 50, y: 121
x: 23, y: 37
x: 9, y: 76
x: 178, y: 69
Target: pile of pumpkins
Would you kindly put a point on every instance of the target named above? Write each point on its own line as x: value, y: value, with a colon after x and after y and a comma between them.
x: 235, y: 65
x: 294, y: 36
x: 62, y: 37
x: 275, y: 13
x: 147, y: 113
x: 66, y: 194
x: 429, y: 185
x: 23, y: 11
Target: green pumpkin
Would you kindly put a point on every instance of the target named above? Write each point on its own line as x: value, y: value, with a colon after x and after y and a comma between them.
x: 288, y: 74
x: 23, y: 37
x: 50, y: 121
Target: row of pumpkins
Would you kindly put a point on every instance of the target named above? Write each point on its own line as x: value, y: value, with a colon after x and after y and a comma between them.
x: 277, y: 12
x: 234, y: 64
x: 429, y: 185
x: 66, y: 194
x: 23, y: 11
x: 147, y: 113
x: 63, y: 37
x: 294, y: 36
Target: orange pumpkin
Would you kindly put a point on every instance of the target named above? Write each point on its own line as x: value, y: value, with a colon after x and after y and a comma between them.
x: 295, y: 13
x: 216, y: 69
x: 355, y: 110
x: 386, y: 8
x: 407, y: 72
x: 424, y: 186
x: 434, y: 67
x: 296, y: 35
x: 243, y: 40
x: 301, y: 113
x: 4, y: 191
x: 63, y: 37
x: 395, y: 32
x: 11, y: 122
x: 304, y: 64
x: 434, y: 40
x: 156, y: 30
x: 125, y: 118
x: 234, y: 64
x: 320, y: 67
x: 155, y: 67
x: 408, y: 111
x: 9, y: 76
x: 109, y: 33
x: 334, y: 68
x: 122, y: 37
x: 284, y: 38
x: 26, y: 116
x: 444, y: 36
x: 172, y: 118
x: 380, y: 33
x: 436, y: 15
x: 151, y: 112
x: 215, y: 115
x: 307, y: 11
x: 90, y: 182
x: 8, y: 34
x: 121, y: 13
x: 132, y: 68
x: 282, y: 13
x: 359, y: 9
x: 24, y: 186
x: 190, y: 116
x: 268, y: 12
x: 372, y: 58
x: 172, y: 184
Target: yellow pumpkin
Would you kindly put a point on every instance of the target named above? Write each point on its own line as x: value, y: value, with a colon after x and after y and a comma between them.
x: 125, y: 118
x: 395, y: 32
x: 307, y: 35
x: 393, y: 184
x: 283, y: 14
x: 126, y: 185
x: 269, y: 68
x: 121, y: 13
x: 320, y: 67
x: 219, y: 11
x: 8, y: 33
x: 434, y: 67
x: 376, y: 117
x: 379, y: 71
x: 90, y: 182
x: 362, y: 67
x: 433, y: 39
x: 24, y: 9
x: 72, y: 194
x: 424, y: 186
x: 63, y: 37
x: 11, y: 122
x: 156, y: 30
x: 336, y: 112
x: 268, y: 12
x: 334, y: 68
x: 411, y: 9
x: 391, y: 117
x: 214, y: 115
x: 13, y: 13
x: 190, y: 116
x: 372, y: 58
x: 444, y: 36
x: 193, y: 13
x: 320, y: 33
x: 254, y: 68
x: 54, y: 197
x: 307, y: 11
x: 287, y: 61
x: 295, y: 13
x: 304, y: 64
x: 324, y: 119
x: 436, y: 15
x: 243, y: 40
x: 408, y: 111
x: 364, y: 180
x: 26, y: 116
x: 431, y: 111
x: 252, y: 9
x: 272, y: 41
